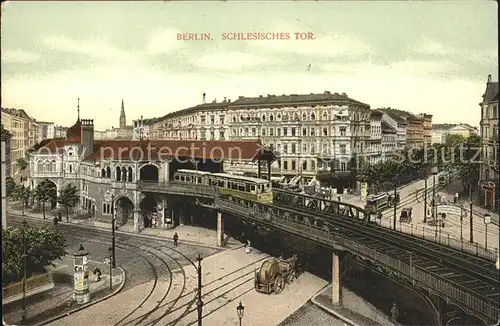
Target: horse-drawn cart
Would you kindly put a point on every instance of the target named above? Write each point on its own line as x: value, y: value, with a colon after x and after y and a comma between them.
x: 274, y: 273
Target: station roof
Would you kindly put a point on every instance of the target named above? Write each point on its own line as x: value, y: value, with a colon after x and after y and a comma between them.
x: 159, y: 150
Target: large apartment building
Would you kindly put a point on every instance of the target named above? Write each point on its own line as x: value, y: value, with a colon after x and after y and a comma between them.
x: 489, y: 176
x: 311, y: 133
x: 24, y: 130
x: 413, y: 130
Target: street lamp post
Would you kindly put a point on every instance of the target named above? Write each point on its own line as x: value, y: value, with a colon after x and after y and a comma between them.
x: 240, y: 310
x: 470, y: 199
x: 110, y: 250
x: 462, y: 210
x: 113, y: 239
x: 434, y: 172
x: 395, y: 203
x: 199, y: 302
x: 425, y: 198
x: 25, y: 268
x: 487, y: 220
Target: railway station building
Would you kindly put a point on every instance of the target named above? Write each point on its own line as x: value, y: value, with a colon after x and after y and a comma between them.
x: 108, y: 173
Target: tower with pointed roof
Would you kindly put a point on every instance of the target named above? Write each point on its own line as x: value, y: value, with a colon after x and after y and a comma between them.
x: 123, y: 119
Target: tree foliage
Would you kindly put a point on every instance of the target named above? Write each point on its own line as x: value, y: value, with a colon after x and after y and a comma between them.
x: 10, y: 186
x: 22, y: 194
x: 43, y: 246
x: 21, y: 163
x: 45, y: 192
x: 68, y: 198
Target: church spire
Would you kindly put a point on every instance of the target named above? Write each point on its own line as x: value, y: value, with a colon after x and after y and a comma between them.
x: 78, y: 109
x: 123, y: 119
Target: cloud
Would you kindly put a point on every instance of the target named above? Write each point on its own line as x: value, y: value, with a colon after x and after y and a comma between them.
x: 429, y: 46
x: 19, y: 56
x: 332, y: 45
x: 414, y: 68
x: 229, y: 60
x: 163, y: 41
x: 95, y: 48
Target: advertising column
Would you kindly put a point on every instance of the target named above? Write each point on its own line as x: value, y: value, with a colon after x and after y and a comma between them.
x: 81, y: 292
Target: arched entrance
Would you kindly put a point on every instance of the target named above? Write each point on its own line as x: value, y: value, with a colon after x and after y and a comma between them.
x: 124, y: 210
x: 149, y: 211
x: 149, y: 173
x: 51, y: 189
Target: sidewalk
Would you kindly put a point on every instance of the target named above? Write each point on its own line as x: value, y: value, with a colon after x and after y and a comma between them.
x: 353, y: 311
x: 57, y: 301
x: 193, y: 235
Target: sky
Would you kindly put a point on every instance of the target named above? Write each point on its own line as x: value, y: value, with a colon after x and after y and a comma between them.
x: 431, y: 57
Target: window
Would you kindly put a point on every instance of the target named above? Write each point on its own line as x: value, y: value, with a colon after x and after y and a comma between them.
x: 234, y: 118
x: 293, y: 165
x: 294, y: 149
x: 285, y: 131
x: 246, y: 131
x: 304, y: 148
x: 293, y: 131
x: 313, y: 165
x: 203, y: 135
x: 202, y: 119
x: 234, y: 132
x: 221, y: 119
x: 304, y: 165
x: 263, y: 117
x: 304, y: 116
x: 313, y: 133
x: 212, y: 135
x: 325, y: 116
x: 325, y: 131
x: 343, y: 149
x: 313, y: 116
x: 271, y: 131
x: 304, y: 131
x: 212, y: 119
x: 285, y: 165
x: 70, y: 168
x: 263, y: 131
x: 342, y: 131
x: 221, y: 135
x: 253, y: 131
x: 271, y: 117
x: 285, y: 148
x: 343, y: 166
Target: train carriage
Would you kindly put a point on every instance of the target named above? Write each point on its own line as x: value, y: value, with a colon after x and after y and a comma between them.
x: 255, y: 189
x: 192, y: 176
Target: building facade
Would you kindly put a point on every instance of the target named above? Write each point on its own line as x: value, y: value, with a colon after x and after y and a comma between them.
x: 43, y: 131
x: 489, y: 175
x: 397, y: 123
x: 414, y: 131
x: 107, y: 173
x: 441, y: 130
x: 311, y: 133
x: 374, y: 151
x: 427, y: 127
x: 389, y: 140
x: 5, y: 152
x: 24, y: 131
x: 123, y: 132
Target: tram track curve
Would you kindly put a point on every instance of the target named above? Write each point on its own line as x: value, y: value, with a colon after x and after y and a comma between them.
x: 140, y: 248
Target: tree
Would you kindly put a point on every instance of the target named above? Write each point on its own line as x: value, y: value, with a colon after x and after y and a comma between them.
x: 10, y: 186
x: 44, y: 192
x: 43, y: 246
x: 23, y: 194
x: 21, y: 164
x: 68, y: 198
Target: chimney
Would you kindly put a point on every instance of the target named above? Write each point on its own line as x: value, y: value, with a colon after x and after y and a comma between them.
x: 489, y: 78
x: 204, y: 98
x: 87, y: 137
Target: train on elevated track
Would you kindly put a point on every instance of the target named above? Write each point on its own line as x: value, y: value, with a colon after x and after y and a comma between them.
x: 259, y: 190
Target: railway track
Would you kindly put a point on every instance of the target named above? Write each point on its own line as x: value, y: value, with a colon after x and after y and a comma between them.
x: 471, y: 272
x: 164, y: 304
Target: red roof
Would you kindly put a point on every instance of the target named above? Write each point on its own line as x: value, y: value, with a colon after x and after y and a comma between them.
x: 75, y: 132
x: 160, y: 150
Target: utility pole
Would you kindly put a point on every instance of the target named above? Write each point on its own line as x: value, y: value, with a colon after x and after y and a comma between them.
x: 470, y: 198
x: 199, y: 302
x: 425, y: 198
x: 25, y: 271
x: 113, y: 239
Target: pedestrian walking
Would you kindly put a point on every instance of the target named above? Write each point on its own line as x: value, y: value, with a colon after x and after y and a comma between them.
x: 394, y: 313
x: 176, y: 238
